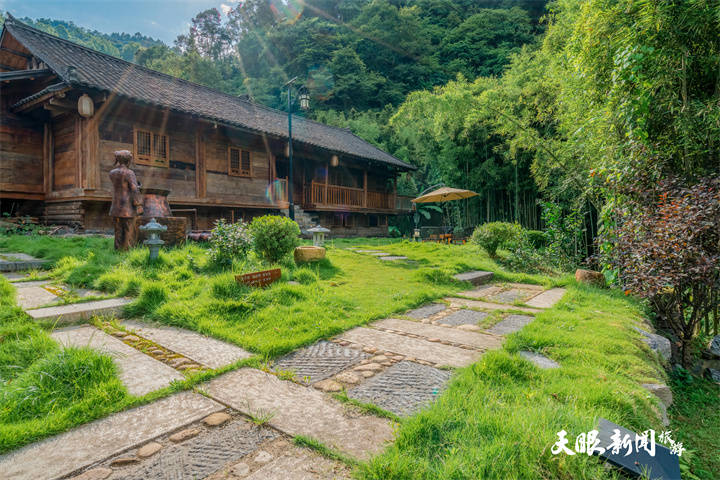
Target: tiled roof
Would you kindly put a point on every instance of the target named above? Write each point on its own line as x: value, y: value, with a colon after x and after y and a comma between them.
x: 79, y: 66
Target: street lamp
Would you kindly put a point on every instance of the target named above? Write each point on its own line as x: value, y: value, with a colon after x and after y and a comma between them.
x: 304, y: 100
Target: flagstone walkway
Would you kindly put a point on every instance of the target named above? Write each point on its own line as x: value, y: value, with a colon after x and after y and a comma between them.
x: 242, y: 425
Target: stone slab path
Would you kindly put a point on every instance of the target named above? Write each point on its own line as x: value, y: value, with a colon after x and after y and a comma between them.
x: 426, y: 311
x: 480, y: 341
x: 393, y: 258
x: 540, y: 360
x: 319, y: 361
x: 403, y: 388
x: 140, y: 373
x: 66, y: 453
x: 476, y: 277
x: 464, y: 302
x: 30, y: 295
x: 77, y: 312
x: 280, y: 460
x: 546, y: 299
x: 204, y: 350
x: 12, y: 262
x: 436, y: 353
x: 200, y: 455
x: 462, y: 317
x: 510, y: 324
x: 298, y: 410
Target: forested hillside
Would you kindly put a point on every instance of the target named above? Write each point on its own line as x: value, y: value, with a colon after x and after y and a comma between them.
x: 122, y: 45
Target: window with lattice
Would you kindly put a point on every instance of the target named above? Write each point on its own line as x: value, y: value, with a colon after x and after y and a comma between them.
x: 239, y: 162
x: 151, y: 148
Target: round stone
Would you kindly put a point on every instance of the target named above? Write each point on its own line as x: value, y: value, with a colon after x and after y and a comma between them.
x: 216, y: 419
x: 367, y: 373
x: 369, y: 349
x: 374, y: 367
x: 348, y: 377
x: 183, y: 435
x: 328, y: 386
x: 379, y: 358
x: 434, y: 340
x: 149, y: 450
x: 131, y: 338
x: 122, y: 461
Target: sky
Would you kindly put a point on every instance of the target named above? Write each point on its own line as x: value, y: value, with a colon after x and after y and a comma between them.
x: 162, y: 19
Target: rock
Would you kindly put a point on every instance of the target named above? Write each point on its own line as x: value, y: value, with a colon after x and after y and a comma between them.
x: 216, y: 419
x: 240, y: 469
x: 367, y: 373
x: 122, y: 461
x: 373, y: 367
x: 190, y: 366
x: 657, y: 343
x: 714, y: 346
x: 434, y: 340
x: 379, y: 358
x: 347, y: 377
x: 183, y: 435
x: 293, y: 282
x: 398, y: 357
x: 148, y: 450
x: 179, y: 362
x: 713, y: 374
x: 263, y: 457
x: 328, y: 385
x: 590, y: 277
x: 469, y: 328
x: 661, y: 391
x: 475, y: 277
x: 94, y: 474
x: 131, y: 338
x: 370, y: 350
x: 308, y: 254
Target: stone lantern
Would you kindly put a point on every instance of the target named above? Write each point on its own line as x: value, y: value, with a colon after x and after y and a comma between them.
x: 154, y: 242
x: 318, y: 234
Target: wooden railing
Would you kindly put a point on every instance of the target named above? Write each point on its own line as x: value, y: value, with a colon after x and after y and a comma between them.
x: 317, y: 193
x: 379, y: 200
x: 403, y: 202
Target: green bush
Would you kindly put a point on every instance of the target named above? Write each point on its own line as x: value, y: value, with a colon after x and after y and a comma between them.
x: 494, y: 235
x: 536, y: 238
x: 274, y: 237
x: 229, y: 241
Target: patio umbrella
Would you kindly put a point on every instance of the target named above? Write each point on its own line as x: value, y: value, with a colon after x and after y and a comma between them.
x: 444, y: 194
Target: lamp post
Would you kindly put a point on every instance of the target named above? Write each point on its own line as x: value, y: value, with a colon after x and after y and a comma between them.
x: 304, y: 99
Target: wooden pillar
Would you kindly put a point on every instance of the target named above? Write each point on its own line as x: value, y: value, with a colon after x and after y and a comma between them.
x: 327, y: 180
x: 200, y: 166
x: 78, y: 143
x: 48, y: 157
x: 393, y: 206
x: 88, y: 152
x: 365, y: 188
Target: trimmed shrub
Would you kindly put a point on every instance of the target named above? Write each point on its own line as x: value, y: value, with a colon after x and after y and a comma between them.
x: 229, y: 241
x: 494, y: 235
x: 274, y: 237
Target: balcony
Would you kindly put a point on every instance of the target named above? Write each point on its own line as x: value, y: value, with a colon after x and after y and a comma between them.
x: 327, y: 196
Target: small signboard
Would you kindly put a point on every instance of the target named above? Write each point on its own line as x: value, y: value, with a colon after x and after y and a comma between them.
x: 259, y: 279
x: 659, y: 463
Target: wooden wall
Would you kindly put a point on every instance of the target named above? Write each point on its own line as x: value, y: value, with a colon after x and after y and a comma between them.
x: 21, y: 148
x: 65, y: 162
x: 194, y: 146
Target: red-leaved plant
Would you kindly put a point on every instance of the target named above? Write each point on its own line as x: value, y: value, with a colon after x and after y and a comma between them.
x: 667, y: 250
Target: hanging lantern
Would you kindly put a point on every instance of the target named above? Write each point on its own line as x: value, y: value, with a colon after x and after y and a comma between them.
x: 86, y: 106
x: 334, y: 161
x: 304, y: 100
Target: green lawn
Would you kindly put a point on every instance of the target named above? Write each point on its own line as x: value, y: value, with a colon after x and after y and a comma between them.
x: 498, y: 419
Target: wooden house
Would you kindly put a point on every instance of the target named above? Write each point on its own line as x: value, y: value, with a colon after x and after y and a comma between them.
x: 65, y: 108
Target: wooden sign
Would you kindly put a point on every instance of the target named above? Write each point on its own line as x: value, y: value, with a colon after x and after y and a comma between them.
x: 259, y: 279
